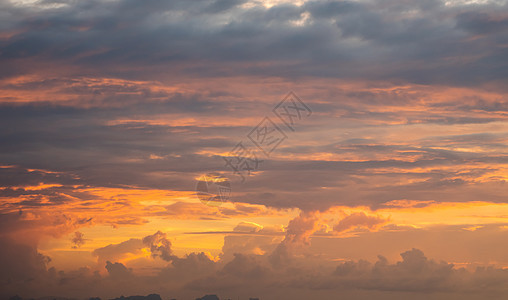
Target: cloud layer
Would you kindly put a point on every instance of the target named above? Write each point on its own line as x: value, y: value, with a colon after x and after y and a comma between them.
x: 110, y: 110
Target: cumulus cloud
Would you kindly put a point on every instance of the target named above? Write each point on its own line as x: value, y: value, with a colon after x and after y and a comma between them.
x: 245, y: 274
x: 159, y: 245
x: 114, y: 252
x: 118, y: 270
x: 359, y: 220
x: 246, y: 267
x: 191, y: 266
x: 251, y: 238
x: 414, y: 273
x: 298, y: 233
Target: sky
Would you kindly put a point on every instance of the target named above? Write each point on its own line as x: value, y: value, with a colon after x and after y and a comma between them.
x: 365, y: 145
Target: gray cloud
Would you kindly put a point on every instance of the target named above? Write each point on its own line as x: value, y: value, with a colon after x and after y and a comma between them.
x: 410, y: 42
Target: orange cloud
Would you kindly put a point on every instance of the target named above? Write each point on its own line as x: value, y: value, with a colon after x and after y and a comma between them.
x: 359, y: 220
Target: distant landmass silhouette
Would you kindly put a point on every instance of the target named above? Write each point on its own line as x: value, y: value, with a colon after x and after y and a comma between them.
x: 149, y: 297
x: 208, y: 297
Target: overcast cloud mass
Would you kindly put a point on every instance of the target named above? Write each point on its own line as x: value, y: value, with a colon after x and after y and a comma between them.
x: 393, y: 184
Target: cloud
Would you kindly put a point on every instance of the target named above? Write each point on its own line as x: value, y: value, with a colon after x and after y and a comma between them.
x: 21, y: 262
x: 115, y: 252
x: 39, y: 224
x: 414, y: 273
x: 111, y: 109
x: 248, y: 227
x: 245, y: 274
x: 298, y: 235
x: 317, y: 38
x: 187, y: 268
x: 251, y: 238
x: 245, y: 267
x: 118, y: 271
x: 78, y: 240
x: 159, y: 245
x: 302, y: 227
x: 121, y: 139
x: 359, y: 220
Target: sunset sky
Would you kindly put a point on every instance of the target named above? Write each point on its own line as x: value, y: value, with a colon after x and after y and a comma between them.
x: 392, y: 182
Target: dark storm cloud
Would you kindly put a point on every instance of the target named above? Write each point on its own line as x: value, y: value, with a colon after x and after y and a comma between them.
x: 408, y: 41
